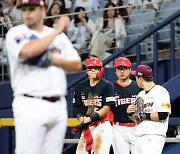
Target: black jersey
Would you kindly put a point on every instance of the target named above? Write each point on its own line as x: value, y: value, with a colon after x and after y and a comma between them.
x: 124, y: 96
x: 103, y: 92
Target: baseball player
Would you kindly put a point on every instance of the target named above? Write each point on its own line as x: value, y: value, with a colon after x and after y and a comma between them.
x: 38, y: 58
x: 126, y: 91
x: 153, y: 120
x: 92, y: 101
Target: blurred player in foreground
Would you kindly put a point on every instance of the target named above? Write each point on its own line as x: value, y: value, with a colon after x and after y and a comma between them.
x: 38, y: 58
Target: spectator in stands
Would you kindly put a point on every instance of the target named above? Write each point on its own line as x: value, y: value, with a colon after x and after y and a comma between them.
x: 109, y: 32
x: 87, y: 4
x: 62, y: 3
x: 50, y: 2
x: 3, y: 28
x: 57, y: 8
x: 54, y: 10
x: 143, y: 4
x: 152, y: 4
x: 12, y: 13
x: 4, y: 5
x: 81, y: 30
x: 122, y: 12
x: 3, y: 19
x: 134, y: 4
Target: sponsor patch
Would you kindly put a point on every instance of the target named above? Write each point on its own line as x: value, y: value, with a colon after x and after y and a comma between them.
x: 166, y: 105
x: 109, y: 99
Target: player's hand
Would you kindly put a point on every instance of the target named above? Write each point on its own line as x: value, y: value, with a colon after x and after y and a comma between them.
x: 87, y: 119
x: 139, y: 117
x: 131, y: 109
x: 83, y: 22
x: 63, y: 24
x: 81, y: 119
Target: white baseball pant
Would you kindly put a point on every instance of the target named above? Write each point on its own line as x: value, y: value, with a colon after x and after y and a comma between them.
x: 102, y: 139
x: 40, y: 125
x: 149, y: 144
x: 123, y: 139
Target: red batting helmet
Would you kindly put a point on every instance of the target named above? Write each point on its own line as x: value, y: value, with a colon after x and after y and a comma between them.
x: 96, y: 62
x: 122, y: 61
x: 21, y: 3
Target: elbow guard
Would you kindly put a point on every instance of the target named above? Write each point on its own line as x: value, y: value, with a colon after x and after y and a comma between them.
x: 162, y: 115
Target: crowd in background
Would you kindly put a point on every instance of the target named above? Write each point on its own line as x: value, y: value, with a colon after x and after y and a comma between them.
x: 96, y: 27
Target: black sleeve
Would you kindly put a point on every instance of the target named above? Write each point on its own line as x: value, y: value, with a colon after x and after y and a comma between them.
x: 108, y: 95
x: 163, y: 115
x: 77, y: 103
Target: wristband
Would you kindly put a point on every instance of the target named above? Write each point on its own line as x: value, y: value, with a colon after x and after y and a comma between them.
x: 95, y: 117
x: 148, y: 116
x: 78, y: 116
x: 129, y: 114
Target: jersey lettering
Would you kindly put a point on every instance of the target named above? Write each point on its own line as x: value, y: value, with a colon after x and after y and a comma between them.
x: 148, y: 104
x: 95, y: 101
x: 148, y: 110
x: 123, y: 101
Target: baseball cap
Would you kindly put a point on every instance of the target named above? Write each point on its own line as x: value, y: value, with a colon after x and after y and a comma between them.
x: 21, y: 3
x: 143, y: 71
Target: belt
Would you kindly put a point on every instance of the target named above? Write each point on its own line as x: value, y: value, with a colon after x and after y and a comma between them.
x: 97, y: 123
x: 49, y: 99
x: 130, y: 124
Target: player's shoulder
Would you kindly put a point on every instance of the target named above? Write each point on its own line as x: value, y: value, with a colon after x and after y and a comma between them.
x: 105, y: 82
x: 82, y: 84
x: 134, y: 84
x: 159, y: 88
x: 141, y: 93
x: 17, y: 29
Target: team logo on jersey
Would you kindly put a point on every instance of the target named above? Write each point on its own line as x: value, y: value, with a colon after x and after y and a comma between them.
x: 166, y: 105
x: 19, y: 39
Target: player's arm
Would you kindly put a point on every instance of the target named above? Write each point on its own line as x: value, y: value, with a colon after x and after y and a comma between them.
x: 37, y: 46
x: 156, y: 116
x: 68, y: 65
x: 164, y: 107
x: 131, y: 110
x: 109, y: 99
x: 98, y: 115
x: 102, y: 112
x: 78, y: 104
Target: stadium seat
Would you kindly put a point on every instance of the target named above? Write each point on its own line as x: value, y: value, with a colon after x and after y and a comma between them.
x: 166, y: 10
x: 140, y: 22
